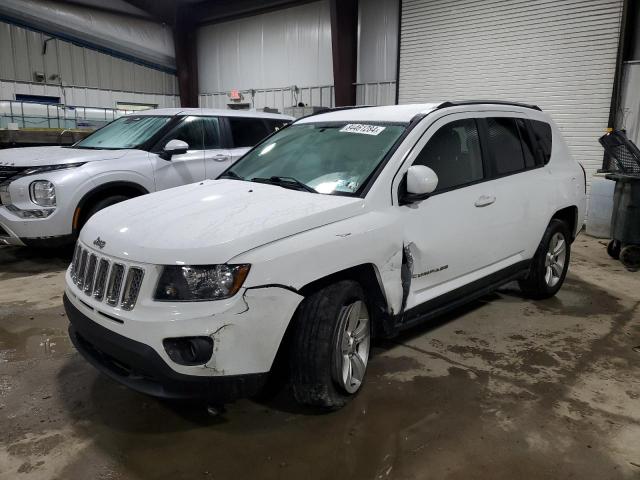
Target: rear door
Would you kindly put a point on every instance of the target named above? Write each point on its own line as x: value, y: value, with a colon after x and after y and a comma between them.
x: 520, y: 184
x: 216, y: 157
x: 245, y: 133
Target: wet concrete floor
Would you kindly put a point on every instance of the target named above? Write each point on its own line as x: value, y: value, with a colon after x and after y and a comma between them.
x: 504, y: 388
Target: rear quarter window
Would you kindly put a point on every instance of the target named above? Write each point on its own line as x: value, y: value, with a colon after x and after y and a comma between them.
x: 543, y: 138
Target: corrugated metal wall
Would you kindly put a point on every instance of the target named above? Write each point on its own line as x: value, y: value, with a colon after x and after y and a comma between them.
x: 272, y: 50
x: 87, y: 75
x: 559, y: 54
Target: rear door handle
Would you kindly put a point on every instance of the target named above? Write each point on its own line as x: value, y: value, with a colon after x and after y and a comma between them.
x: 485, y: 200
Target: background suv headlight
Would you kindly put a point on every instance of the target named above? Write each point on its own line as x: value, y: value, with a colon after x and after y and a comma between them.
x: 43, y: 193
x: 200, y: 282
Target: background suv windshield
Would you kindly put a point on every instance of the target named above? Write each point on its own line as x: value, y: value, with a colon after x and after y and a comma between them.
x: 330, y: 158
x: 125, y: 132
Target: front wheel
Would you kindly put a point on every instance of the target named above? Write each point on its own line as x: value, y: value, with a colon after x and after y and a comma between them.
x: 550, y: 263
x: 331, y: 346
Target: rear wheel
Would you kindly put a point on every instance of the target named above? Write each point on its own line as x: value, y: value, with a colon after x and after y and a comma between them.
x: 550, y: 263
x: 613, y: 249
x: 331, y: 344
x: 630, y: 257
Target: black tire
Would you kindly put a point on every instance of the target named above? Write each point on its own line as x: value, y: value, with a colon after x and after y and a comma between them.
x: 314, y: 344
x: 613, y: 249
x: 102, y: 204
x: 630, y: 257
x: 535, y: 285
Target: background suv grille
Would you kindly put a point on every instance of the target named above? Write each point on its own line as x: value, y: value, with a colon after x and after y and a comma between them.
x: 103, y: 279
x: 7, y: 173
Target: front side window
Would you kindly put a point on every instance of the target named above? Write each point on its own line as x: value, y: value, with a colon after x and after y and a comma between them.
x: 131, y: 131
x: 247, y: 132
x: 453, y: 152
x: 331, y: 158
x: 505, y: 145
x: 191, y: 131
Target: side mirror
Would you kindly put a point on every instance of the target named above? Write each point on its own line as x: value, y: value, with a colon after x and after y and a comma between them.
x: 421, y: 182
x: 174, y: 147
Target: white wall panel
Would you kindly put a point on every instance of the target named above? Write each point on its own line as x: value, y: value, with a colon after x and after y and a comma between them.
x: 132, y: 36
x: 85, y: 97
x: 377, y: 40
x: 21, y: 54
x: 272, y: 50
x: 558, y: 54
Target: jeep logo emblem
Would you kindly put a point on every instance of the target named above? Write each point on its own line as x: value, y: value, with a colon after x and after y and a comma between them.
x: 98, y: 242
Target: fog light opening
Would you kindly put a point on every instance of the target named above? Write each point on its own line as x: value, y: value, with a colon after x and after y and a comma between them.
x: 189, y: 350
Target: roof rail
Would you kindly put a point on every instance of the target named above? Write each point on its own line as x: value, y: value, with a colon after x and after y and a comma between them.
x: 334, y: 109
x: 494, y: 102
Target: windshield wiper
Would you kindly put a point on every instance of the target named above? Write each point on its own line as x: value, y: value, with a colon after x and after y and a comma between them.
x: 285, y: 182
x: 232, y: 175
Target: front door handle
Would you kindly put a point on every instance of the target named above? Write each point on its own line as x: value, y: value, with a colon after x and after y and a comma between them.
x: 485, y: 200
x: 221, y: 158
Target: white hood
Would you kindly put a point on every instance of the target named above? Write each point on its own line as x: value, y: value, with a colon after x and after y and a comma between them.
x: 44, y: 156
x: 211, y: 222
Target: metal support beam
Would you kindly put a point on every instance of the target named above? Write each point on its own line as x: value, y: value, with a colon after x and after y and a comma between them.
x: 344, y: 46
x: 185, y: 41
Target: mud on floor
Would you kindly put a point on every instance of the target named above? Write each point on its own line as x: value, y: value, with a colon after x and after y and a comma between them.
x: 503, y: 388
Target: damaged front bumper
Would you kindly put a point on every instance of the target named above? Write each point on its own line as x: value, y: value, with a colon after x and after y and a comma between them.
x: 246, y: 333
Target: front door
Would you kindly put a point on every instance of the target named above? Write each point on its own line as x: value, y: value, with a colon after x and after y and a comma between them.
x: 449, y: 237
x: 185, y: 168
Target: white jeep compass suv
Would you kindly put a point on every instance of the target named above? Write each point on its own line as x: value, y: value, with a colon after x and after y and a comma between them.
x: 48, y: 193
x: 339, y: 228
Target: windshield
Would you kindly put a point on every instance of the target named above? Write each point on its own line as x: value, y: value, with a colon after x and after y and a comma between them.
x: 125, y: 132
x: 334, y: 158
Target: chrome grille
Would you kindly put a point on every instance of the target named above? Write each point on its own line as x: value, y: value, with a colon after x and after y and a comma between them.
x: 75, y: 262
x: 90, y: 274
x: 132, y: 288
x: 115, y: 284
x: 82, y: 268
x: 97, y: 276
x: 8, y: 172
x: 101, y: 279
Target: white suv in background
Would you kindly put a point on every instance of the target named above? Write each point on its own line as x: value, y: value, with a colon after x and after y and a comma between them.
x: 48, y: 193
x: 341, y: 227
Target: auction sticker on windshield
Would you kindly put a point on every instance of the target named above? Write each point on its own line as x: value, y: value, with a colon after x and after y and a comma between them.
x: 364, y: 129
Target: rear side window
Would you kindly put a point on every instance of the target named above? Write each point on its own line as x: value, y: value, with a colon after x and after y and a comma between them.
x: 505, y: 145
x: 453, y: 152
x: 527, y: 144
x: 542, y: 135
x: 247, y: 132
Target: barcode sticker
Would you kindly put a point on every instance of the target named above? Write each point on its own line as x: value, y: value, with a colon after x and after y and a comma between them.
x: 363, y: 129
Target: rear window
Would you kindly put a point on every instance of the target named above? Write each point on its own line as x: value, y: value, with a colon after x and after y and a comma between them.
x: 542, y: 135
x: 247, y: 132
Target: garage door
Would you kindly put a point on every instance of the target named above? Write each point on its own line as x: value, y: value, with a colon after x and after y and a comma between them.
x: 560, y: 55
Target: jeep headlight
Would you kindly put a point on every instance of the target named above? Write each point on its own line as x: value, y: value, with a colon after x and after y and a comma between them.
x: 200, y: 282
x: 43, y: 193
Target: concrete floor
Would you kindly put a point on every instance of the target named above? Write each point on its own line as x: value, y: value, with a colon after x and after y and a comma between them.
x: 504, y: 388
